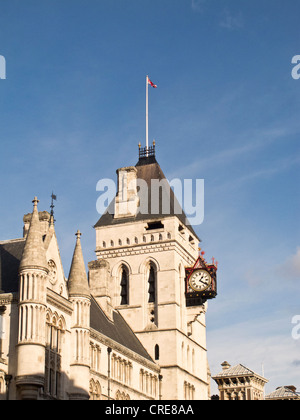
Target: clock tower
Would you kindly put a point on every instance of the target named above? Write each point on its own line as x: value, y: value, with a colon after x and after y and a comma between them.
x: 146, y: 270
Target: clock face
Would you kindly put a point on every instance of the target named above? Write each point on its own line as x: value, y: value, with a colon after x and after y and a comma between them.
x: 200, y: 280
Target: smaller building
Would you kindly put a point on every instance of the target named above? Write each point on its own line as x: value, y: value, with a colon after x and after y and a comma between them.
x: 284, y: 393
x: 239, y: 383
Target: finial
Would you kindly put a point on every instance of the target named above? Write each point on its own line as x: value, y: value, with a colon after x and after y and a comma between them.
x: 53, y: 197
x: 140, y: 145
x: 35, y: 201
x: 78, y: 234
x: 153, y: 142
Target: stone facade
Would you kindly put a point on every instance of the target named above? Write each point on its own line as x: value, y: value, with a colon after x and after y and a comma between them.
x: 121, y: 332
x: 284, y: 393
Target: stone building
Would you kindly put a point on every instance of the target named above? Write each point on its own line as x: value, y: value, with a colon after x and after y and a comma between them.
x: 122, y: 331
x: 284, y: 393
x: 239, y: 383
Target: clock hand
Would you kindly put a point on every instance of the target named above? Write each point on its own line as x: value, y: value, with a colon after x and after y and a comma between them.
x: 203, y: 282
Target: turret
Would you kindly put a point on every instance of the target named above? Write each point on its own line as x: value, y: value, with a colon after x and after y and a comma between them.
x: 79, y: 295
x: 33, y: 273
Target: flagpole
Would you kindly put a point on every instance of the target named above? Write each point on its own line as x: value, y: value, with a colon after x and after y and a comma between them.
x: 147, y: 127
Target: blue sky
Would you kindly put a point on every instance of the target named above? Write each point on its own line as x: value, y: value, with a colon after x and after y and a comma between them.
x: 72, y: 111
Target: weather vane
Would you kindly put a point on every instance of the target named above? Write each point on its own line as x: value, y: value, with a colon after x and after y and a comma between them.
x: 53, y: 197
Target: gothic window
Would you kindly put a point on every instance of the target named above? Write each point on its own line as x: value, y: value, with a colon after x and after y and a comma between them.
x: 148, y: 383
x: 2, y: 310
x: 122, y: 396
x: 151, y: 285
x: 156, y: 352
x: 55, y: 328
x: 189, y: 391
x: 2, y: 386
x: 124, y: 286
x: 121, y: 369
x: 95, y: 354
x: 95, y: 390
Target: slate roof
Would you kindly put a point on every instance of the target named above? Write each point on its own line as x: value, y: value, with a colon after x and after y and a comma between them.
x: 10, y: 256
x: 283, y: 393
x: 238, y: 370
x: 117, y: 330
x: 148, y: 169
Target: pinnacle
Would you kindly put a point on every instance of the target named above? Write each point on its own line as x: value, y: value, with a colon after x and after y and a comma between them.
x: 34, y: 254
x: 78, y: 283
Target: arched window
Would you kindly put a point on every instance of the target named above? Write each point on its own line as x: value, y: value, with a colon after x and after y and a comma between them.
x: 124, y: 286
x: 95, y: 390
x: 53, y: 376
x: 151, y: 285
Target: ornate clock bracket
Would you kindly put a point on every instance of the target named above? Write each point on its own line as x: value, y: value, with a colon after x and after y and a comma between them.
x: 200, y: 282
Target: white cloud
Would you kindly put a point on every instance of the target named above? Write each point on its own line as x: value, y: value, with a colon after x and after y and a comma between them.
x: 290, y: 269
x: 232, y: 22
x: 266, y: 346
x: 197, y: 5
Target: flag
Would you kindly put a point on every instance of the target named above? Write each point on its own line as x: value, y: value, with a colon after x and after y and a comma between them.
x: 151, y: 83
x: 54, y: 197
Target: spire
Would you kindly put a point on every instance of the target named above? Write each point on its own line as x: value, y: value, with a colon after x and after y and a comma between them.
x: 50, y: 233
x: 34, y: 254
x: 78, y: 283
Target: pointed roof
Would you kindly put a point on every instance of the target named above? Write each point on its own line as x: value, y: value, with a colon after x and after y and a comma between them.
x: 78, y: 282
x: 10, y: 256
x: 148, y: 169
x: 238, y: 370
x: 283, y: 392
x: 34, y: 254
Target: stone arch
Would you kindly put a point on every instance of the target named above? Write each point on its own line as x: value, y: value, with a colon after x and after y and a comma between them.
x: 116, y: 269
x: 95, y: 390
x: 121, y: 291
x: 146, y: 263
